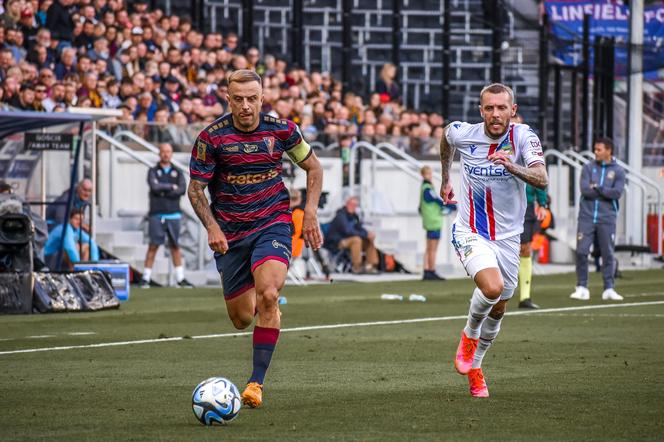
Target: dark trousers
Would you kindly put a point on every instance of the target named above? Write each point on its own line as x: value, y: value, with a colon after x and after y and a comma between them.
x: 586, y: 234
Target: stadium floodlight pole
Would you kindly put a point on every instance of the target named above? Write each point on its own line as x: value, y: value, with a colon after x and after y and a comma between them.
x: 634, y: 135
x: 598, y: 78
x: 496, y: 43
x: 396, y: 32
x: 447, y: 20
x: 543, y: 76
x: 557, y: 109
x: 70, y: 197
x: 346, y: 44
x: 585, y: 98
x: 296, y: 33
x: 610, y: 80
x: 247, y: 23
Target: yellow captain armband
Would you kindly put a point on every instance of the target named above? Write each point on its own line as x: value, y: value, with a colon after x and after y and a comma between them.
x: 299, y: 152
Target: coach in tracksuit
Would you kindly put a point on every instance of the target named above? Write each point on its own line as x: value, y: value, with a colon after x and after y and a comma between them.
x: 167, y: 185
x: 602, y: 185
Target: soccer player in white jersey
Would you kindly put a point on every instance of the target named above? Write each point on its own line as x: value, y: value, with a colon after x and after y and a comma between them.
x: 497, y: 159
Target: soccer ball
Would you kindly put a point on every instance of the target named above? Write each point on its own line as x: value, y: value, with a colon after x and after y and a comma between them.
x: 216, y: 401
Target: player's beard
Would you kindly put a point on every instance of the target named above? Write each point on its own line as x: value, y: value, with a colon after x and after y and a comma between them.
x: 503, y: 129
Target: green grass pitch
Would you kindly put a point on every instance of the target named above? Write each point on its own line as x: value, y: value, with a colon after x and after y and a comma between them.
x: 576, y: 374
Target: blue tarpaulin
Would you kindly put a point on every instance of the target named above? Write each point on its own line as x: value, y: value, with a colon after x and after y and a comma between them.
x: 607, y: 19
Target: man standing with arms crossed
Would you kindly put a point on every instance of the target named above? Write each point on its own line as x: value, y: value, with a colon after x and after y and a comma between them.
x: 497, y: 159
x: 248, y: 223
x: 167, y: 185
x: 602, y: 185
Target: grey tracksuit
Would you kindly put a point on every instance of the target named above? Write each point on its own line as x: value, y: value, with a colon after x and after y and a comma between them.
x: 602, y: 186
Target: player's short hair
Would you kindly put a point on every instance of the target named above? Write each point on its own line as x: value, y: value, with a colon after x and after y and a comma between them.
x: 606, y: 141
x: 497, y: 88
x: 244, y: 76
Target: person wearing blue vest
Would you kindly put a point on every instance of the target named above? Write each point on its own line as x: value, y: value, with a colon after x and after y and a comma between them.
x: 167, y: 185
x: 431, y: 210
x: 602, y: 185
x: 77, y: 244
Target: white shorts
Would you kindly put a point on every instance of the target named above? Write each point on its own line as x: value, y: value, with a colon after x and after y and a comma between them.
x: 478, y: 253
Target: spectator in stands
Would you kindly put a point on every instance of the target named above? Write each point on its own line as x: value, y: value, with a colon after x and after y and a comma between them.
x: 346, y: 232
x: 59, y: 21
x: 386, y: 85
x: 56, y: 97
x: 55, y: 213
x: 167, y: 185
x: 78, y: 246
x: 66, y: 64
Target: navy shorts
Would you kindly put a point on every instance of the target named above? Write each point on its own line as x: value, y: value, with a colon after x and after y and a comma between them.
x: 530, y: 224
x: 244, y: 255
x: 159, y: 229
x: 433, y: 234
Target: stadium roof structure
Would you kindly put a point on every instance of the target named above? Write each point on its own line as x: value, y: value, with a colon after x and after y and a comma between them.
x: 12, y: 122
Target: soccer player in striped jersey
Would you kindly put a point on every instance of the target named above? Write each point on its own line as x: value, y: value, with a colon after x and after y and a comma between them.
x: 498, y: 158
x: 248, y: 223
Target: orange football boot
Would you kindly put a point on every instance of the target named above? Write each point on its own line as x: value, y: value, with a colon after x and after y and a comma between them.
x: 465, y: 353
x: 252, y: 396
x: 477, y: 383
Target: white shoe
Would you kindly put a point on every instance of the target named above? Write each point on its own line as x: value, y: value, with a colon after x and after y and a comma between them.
x: 611, y: 295
x: 580, y: 293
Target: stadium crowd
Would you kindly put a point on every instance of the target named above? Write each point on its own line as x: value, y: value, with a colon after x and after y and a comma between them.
x: 162, y: 72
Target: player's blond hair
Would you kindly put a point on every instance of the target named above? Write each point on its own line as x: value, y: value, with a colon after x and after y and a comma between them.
x: 497, y: 88
x: 244, y: 76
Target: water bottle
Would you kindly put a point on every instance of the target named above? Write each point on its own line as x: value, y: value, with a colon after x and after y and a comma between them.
x: 391, y: 297
x: 417, y: 298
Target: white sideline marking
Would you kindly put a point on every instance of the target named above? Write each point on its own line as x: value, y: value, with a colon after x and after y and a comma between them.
x: 40, y: 336
x: 81, y: 333
x: 330, y: 326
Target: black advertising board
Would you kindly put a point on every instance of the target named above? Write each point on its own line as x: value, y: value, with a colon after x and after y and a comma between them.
x: 48, y: 141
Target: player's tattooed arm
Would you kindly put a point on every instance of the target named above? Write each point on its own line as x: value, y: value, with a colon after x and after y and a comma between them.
x: 216, y: 238
x: 310, y: 226
x: 446, y: 158
x: 534, y: 175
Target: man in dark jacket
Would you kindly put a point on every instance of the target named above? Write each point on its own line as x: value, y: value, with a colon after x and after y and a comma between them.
x: 167, y: 185
x: 346, y: 232
x: 602, y: 185
x: 58, y: 20
x: 56, y: 213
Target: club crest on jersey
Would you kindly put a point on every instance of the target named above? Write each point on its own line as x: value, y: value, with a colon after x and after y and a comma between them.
x: 611, y: 175
x: 506, y: 147
x: 269, y: 142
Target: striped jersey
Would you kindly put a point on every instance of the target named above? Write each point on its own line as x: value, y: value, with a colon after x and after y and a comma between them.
x: 243, y: 172
x: 492, y: 201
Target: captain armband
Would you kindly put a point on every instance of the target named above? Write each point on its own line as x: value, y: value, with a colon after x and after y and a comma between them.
x: 299, y: 152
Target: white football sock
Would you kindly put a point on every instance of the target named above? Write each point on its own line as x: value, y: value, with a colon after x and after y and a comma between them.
x: 179, y: 273
x: 490, y: 329
x: 147, y: 273
x: 480, y: 306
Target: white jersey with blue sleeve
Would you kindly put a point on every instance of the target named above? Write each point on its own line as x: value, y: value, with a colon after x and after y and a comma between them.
x: 492, y: 201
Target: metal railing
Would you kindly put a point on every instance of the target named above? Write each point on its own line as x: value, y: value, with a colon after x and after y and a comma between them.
x: 196, y: 247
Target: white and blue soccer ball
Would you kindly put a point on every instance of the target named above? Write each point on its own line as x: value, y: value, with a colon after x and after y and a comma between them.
x: 216, y: 401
